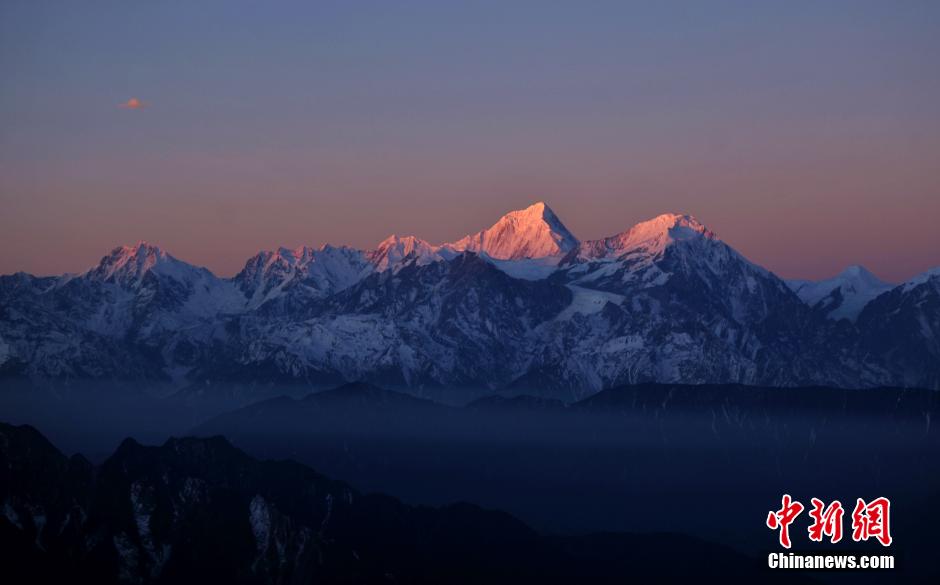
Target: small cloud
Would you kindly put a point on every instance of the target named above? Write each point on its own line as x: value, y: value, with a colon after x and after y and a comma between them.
x: 133, y: 104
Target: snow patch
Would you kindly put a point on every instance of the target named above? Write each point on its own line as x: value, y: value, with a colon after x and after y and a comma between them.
x: 259, y: 516
x: 922, y: 278
x: 527, y: 268
x: 586, y: 301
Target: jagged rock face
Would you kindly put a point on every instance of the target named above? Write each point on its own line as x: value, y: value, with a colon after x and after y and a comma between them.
x: 139, y: 315
x: 521, y: 304
x: 457, y: 323
x: 686, y: 310
x: 67, y: 330
x: 320, y: 272
x: 394, y: 251
x: 902, y: 328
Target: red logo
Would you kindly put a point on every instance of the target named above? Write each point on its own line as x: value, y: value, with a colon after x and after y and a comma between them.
x: 782, y: 518
x: 872, y: 520
x: 826, y: 521
x: 869, y: 520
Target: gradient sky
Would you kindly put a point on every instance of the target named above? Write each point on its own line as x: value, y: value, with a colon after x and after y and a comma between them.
x: 806, y: 134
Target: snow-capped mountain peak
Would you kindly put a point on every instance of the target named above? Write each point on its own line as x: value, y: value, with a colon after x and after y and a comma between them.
x: 393, y: 250
x: 859, y: 278
x: 127, y: 265
x: 844, y: 295
x: 323, y: 271
x: 649, y: 237
x: 666, y: 228
x: 533, y: 232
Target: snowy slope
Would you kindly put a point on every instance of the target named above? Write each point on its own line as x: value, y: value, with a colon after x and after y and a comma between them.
x: 139, y: 314
x: 394, y: 250
x: 901, y: 327
x: 931, y: 278
x: 843, y: 296
x: 651, y: 252
x: 647, y: 239
x: 320, y: 272
x: 128, y: 265
x: 533, y: 232
x: 527, y: 243
x: 679, y: 305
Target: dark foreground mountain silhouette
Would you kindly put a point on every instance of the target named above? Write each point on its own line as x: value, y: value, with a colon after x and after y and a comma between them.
x: 201, y: 511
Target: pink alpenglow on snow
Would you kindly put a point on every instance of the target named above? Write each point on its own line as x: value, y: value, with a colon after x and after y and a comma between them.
x: 651, y: 237
x: 533, y: 232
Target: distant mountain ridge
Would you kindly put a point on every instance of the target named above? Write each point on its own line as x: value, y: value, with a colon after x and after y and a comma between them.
x: 843, y: 296
x: 523, y: 304
x: 358, y: 405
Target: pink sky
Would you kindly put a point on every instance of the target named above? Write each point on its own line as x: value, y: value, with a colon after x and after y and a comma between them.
x: 806, y: 134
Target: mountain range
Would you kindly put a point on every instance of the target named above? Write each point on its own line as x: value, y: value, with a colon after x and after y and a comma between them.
x: 523, y: 306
